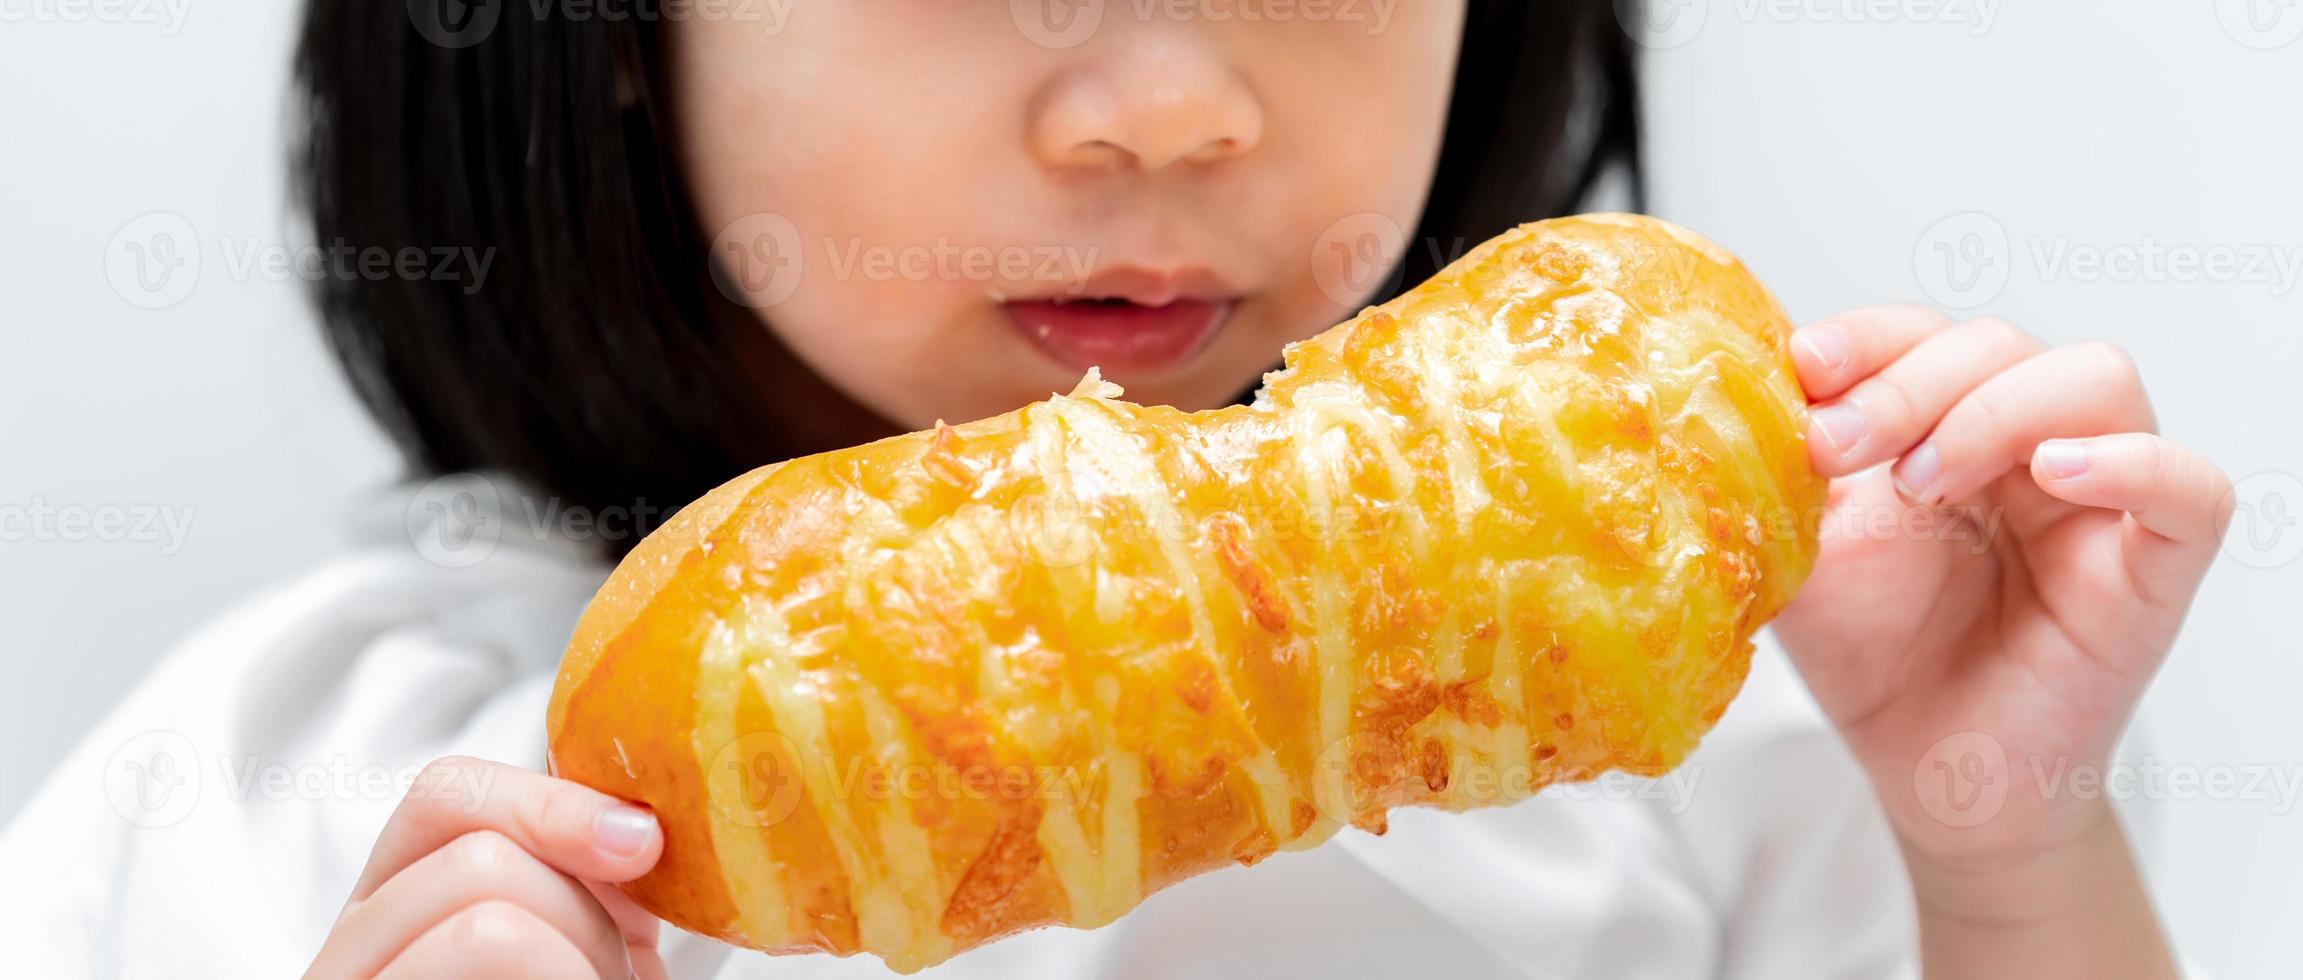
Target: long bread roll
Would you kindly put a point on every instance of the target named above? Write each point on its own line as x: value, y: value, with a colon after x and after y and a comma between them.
x: 1513, y: 528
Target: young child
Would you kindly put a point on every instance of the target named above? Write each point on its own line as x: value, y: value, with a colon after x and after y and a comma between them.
x: 747, y: 231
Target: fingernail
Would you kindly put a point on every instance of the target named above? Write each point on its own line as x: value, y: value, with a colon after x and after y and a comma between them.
x: 1840, y: 426
x: 1915, y: 474
x: 2060, y: 459
x: 624, y: 831
x: 1826, y: 344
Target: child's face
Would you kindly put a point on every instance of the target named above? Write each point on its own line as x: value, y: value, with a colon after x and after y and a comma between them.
x: 946, y: 177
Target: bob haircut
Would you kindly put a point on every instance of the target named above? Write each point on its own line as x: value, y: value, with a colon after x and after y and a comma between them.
x: 593, y: 367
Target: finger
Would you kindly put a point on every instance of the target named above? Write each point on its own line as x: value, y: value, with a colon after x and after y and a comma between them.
x: 478, y: 867
x: 1886, y: 414
x: 2179, y: 503
x: 641, y: 930
x: 572, y: 828
x: 2015, y: 504
x: 2080, y: 390
x: 1834, y: 353
x: 490, y: 940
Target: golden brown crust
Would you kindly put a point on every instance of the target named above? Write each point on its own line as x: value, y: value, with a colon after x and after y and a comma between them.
x: 1513, y: 528
x: 615, y: 679
x: 651, y: 566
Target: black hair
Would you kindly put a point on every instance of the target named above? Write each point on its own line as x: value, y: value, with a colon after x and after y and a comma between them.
x: 594, y: 366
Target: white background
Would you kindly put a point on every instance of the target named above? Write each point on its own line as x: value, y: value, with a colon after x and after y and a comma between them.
x: 1824, y: 143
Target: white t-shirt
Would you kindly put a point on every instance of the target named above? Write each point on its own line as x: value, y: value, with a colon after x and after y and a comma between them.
x: 213, y: 824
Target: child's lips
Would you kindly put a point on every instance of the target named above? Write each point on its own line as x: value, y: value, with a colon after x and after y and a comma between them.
x: 1123, y: 337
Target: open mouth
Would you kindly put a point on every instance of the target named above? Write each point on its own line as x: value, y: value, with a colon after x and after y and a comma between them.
x: 1122, y: 336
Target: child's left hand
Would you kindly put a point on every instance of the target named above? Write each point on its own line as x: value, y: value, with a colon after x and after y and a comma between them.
x: 1973, y: 666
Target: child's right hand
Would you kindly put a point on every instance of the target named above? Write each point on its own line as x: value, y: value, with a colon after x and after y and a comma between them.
x: 489, y: 870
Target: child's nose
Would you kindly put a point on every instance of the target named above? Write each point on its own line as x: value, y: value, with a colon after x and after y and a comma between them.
x: 1146, y: 103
